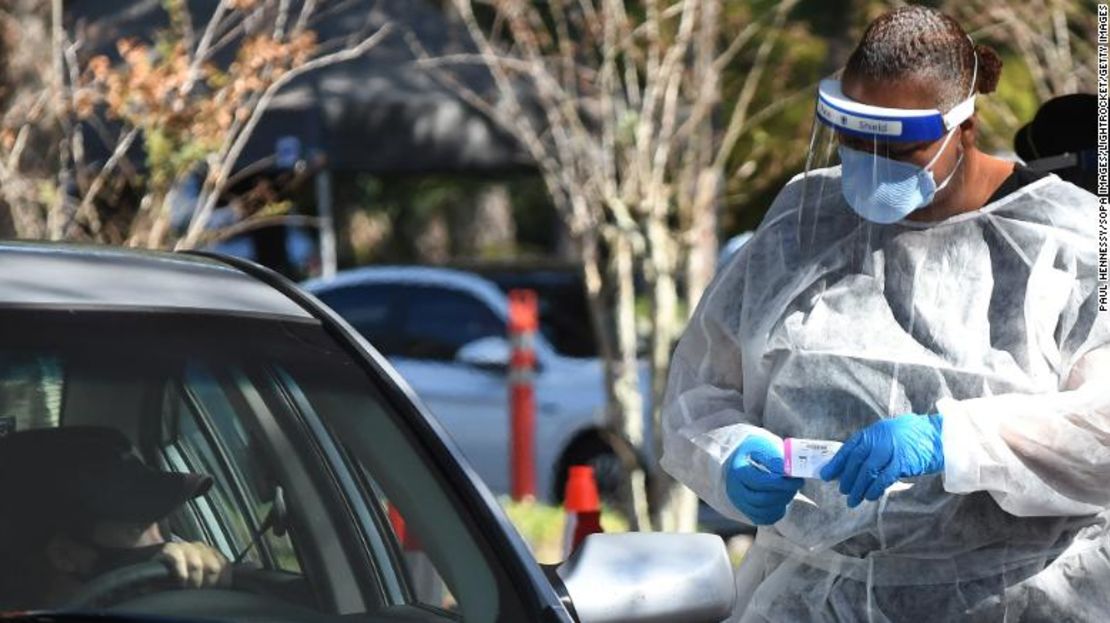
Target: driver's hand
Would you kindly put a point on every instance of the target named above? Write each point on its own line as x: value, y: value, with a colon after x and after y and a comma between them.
x: 197, y: 565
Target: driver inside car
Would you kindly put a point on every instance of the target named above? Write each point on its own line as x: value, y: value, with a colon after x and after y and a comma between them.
x: 77, y: 503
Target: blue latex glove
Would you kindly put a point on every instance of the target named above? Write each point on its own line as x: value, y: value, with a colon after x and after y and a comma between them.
x: 760, y: 491
x: 875, y: 457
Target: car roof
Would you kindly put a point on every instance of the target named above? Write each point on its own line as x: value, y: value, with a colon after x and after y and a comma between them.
x: 64, y: 276
x: 419, y: 276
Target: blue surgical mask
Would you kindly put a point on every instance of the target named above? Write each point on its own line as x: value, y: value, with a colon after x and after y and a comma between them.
x: 883, y: 190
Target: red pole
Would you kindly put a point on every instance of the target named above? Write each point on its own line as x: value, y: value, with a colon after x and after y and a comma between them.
x: 523, y: 323
x: 406, y: 538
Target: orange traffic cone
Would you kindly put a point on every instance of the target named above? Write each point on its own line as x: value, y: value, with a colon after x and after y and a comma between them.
x: 583, y: 507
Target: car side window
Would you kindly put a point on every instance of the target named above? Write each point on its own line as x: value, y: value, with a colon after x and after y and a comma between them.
x: 440, y: 321
x: 211, y: 439
x: 434, y: 556
x: 372, y: 309
x: 285, y: 422
x: 427, y: 585
x: 30, y: 391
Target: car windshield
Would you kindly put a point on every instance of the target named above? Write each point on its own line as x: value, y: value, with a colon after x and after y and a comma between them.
x: 322, y: 495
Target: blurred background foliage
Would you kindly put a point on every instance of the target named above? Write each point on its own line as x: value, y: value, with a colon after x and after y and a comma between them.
x: 816, y: 41
x: 1047, y: 47
x: 417, y: 219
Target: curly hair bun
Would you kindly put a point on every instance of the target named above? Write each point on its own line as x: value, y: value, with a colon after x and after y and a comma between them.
x: 990, y: 69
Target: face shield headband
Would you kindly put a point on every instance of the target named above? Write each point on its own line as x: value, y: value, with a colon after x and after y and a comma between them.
x: 908, y: 125
x: 891, y: 124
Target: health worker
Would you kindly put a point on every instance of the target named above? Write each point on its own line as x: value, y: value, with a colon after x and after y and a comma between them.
x: 937, y: 310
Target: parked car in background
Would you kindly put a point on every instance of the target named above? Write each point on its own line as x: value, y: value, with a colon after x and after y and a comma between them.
x: 445, y: 331
x: 215, y: 365
x: 561, y: 292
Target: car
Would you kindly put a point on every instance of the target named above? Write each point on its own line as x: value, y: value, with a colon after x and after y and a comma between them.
x: 560, y: 289
x: 445, y: 331
x: 330, y: 477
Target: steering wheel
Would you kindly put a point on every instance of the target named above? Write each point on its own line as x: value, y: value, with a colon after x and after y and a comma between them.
x: 118, y: 583
x: 122, y: 583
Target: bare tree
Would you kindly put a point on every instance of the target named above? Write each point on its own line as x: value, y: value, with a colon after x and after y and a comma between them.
x: 25, y: 39
x: 1054, y: 40
x: 169, y: 96
x: 616, y: 103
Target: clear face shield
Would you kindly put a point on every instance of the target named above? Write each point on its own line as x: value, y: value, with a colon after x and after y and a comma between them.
x: 889, y: 156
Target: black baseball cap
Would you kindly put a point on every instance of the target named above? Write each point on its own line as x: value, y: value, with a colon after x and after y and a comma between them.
x: 1064, y: 124
x: 84, y: 474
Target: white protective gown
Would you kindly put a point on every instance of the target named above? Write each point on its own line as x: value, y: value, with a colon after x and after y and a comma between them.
x: 825, y: 323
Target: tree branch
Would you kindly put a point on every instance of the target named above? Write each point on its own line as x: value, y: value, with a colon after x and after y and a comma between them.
x: 254, y: 222
x: 737, y: 121
x: 202, y: 47
x: 239, y: 140
x: 86, y: 207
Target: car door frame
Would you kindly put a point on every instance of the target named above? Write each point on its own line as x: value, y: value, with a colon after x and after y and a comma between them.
x: 360, y: 587
x: 227, y: 463
x: 532, y: 586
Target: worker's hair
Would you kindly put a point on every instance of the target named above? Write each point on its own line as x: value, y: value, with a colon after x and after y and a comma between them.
x: 923, y: 43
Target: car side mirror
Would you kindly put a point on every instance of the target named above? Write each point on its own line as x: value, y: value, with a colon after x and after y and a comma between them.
x: 488, y: 353
x: 278, y: 518
x: 650, y: 577
x: 276, y: 522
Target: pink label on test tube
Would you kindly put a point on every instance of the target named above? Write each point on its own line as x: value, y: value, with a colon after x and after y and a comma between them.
x: 786, y: 461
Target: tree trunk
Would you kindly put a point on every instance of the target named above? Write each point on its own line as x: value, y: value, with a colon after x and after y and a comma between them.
x: 485, y: 227
x: 8, y: 227
x: 433, y: 243
x: 701, y: 258
x: 627, y: 401
x: 325, y: 211
x: 613, y: 314
x: 677, y: 505
x: 659, y: 270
